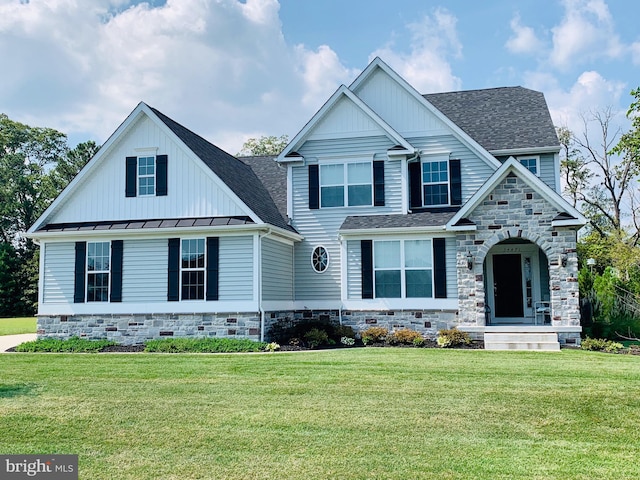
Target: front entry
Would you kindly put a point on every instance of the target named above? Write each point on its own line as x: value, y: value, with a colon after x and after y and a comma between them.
x: 517, y: 284
x: 507, y: 285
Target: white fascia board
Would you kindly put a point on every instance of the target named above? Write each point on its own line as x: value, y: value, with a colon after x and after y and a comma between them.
x: 140, y: 233
x: 385, y: 304
x: 369, y: 232
x: 567, y: 223
x: 324, y: 110
x: 532, y: 180
x: 317, y: 305
x: 91, y: 164
x: 526, y: 151
x: 457, y: 131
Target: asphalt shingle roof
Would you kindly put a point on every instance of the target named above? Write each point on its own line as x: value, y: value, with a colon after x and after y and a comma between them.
x: 273, y: 176
x: 422, y: 219
x: 237, y: 175
x: 499, y: 118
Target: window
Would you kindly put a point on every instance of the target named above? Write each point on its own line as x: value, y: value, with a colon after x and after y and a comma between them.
x: 192, y: 269
x: 403, y: 269
x: 356, y: 176
x: 435, y: 183
x: 320, y: 259
x: 146, y: 176
x: 530, y: 164
x: 98, y: 263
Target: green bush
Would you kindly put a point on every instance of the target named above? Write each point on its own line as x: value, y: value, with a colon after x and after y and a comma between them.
x: 452, y: 338
x: 287, y: 331
x: 374, y: 335
x: 405, y: 336
x: 69, y: 345
x: 340, y: 331
x: 316, y: 338
x: 601, y: 345
x: 203, y: 345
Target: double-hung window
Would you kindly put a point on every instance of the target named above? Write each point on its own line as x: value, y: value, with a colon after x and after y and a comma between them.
x: 98, y: 267
x: 192, y: 269
x: 403, y: 269
x: 146, y: 176
x: 435, y: 183
x: 346, y: 184
x: 530, y: 163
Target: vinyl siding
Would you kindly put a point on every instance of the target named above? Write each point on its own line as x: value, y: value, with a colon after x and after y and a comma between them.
x: 58, y: 271
x: 144, y: 270
x: 548, y: 170
x: 277, y: 270
x: 236, y: 268
x: 452, y: 270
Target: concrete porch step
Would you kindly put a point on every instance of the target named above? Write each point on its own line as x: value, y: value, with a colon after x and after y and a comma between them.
x: 521, y: 341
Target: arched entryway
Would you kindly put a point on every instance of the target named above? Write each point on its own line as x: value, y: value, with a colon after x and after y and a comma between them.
x: 516, y: 273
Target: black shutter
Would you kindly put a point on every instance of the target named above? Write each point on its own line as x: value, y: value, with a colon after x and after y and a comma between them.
x: 116, y: 271
x: 440, y: 268
x: 81, y: 259
x: 455, y: 182
x: 378, y: 183
x: 213, y: 267
x: 366, y: 252
x: 415, y: 185
x: 173, y: 282
x: 314, y: 187
x: 131, y: 176
x: 161, y: 175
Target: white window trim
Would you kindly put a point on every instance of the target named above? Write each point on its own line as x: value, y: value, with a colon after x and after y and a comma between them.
x: 328, y: 259
x: 139, y: 176
x: 345, y: 185
x: 198, y: 269
x: 403, y: 269
x: 94, y: 272
x: 434, y: 159
x: 530, y: 157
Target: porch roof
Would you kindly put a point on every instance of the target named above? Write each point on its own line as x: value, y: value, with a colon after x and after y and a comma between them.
x: 411, y: 220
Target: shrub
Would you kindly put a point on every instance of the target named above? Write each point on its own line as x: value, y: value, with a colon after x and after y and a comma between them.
x: 341, y: 331
x: 418, y: 341
x: 285, y: 331
x: 452, y: 338
x: 348, y: 341
x: 374, y: 335
x: 69, y: 345
x: 272, y: 347
x: 316, y: 337
x: 601, y: 345
x: 406, y: 336
x: 203, y: 345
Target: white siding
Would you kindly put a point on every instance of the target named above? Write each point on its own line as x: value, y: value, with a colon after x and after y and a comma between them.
x: 548, y: 170
x: 277, y: 270
x: 345, y: 119
x: 144, y: 270
x: 191, y: 190
x: 354, y: 269
x: 236, y: 268
x: 452, y: 270
x: 58, y: 275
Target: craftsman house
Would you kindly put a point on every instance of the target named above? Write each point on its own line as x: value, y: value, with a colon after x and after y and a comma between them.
x: 388, y: 208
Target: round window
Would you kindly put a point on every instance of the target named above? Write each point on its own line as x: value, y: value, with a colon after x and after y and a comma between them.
x: 320, y: 259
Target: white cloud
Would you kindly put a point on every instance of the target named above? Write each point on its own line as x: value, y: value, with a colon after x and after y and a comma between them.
x: 586, y: 32
x: 425, y: 66
x: 524, y: 39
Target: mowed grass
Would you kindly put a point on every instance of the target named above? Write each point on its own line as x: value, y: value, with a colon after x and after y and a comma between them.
x: 348, y: 414
x: 15, y: 326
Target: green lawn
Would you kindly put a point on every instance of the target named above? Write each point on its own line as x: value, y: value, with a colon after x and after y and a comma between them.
x: 14, y: 326
x: 361, y: 413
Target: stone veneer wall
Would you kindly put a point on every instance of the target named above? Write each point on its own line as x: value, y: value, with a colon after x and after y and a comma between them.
x: 515, y: 210
x: 135, y: 329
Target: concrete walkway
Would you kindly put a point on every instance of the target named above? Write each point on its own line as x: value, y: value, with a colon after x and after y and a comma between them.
x: 9, y: 341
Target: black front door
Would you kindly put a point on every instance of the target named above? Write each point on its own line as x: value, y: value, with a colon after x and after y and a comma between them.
x: 507, y: 285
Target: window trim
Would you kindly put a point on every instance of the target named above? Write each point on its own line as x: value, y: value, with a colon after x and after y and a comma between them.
x: 327, y: 262
x: 530, y: 157
x: 89, y: 272
x: 345, y: 182
x: 203, y: 269
x: 435, y: 159
x: 139, y: 176
x: 403, y: 268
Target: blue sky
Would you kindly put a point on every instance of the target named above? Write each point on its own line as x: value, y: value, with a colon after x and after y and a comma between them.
x: 230, y: 70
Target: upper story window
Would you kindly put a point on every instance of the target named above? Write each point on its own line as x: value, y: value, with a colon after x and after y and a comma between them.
x: 98, y: 268
x: 403, y: 269
x: 435, y: 183
x: 146, y: 176
x: 346, y: 184
x: 320, y: 259
x: 531, y: 164
x: 193, y: 268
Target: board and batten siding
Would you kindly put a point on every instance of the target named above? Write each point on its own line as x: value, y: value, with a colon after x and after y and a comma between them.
x: 144, y: 270
x: 277, y: 270
x: 236, y: 268
x: 192, y: 192
x: 58, y: 273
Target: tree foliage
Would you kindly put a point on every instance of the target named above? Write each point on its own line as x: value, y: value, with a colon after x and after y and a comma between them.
x: 264, y: 146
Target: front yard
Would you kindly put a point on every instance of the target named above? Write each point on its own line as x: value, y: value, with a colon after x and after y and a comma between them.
x: 349, y: 413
